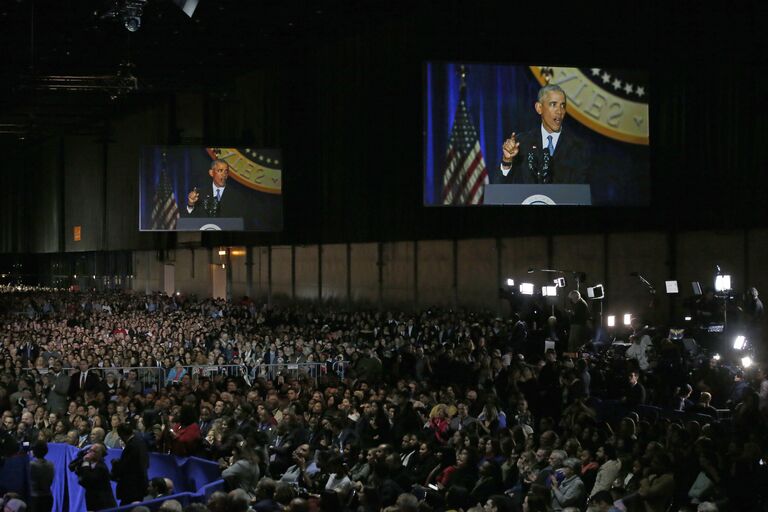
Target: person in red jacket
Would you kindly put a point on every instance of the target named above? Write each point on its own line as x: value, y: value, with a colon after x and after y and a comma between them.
x: 185, y: 436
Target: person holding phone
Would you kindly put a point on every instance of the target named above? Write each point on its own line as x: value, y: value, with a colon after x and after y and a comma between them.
x: 93, y: 476
x: 184, y: 435
x: 301, y: 473
x: 566, y: 487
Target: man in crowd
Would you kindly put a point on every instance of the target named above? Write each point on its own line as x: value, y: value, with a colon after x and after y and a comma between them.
x: 130, y: 470
x: 93, y: 476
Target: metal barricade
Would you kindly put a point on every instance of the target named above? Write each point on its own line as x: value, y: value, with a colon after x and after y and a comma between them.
x: 147, y: 377
x: 38, y: 375
x: 250, y: 373
x: 155, y: 377
x: 313, y: 370
x: 211, y: 370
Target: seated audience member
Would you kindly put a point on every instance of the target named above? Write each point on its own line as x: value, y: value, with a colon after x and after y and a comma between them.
x: 703, y: 406
x: 265, y: 493
x: 609, y: 469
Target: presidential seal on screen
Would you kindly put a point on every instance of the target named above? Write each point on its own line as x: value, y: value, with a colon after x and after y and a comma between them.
x: 612, y: 102
x: 539, y: 200
x: 259, y: 169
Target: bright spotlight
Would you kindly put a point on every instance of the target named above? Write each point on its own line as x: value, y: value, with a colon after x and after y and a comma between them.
x: 746, y: 361
x: 510, y: 281
x: 722, y: 283
x: 526, y: 288
x: 688, y: 319
x: 611, y: 320
x: 716, y: 357
x: 627, y: 318
x: 596, y: 292
x: 549, y: 291
x: 222, y: 252
x: 739, y: 342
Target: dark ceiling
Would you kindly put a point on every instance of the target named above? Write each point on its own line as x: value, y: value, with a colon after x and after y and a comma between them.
x: 66, y: 63
x: 52, y: 47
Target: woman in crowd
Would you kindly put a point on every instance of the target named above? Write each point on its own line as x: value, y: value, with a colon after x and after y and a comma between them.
x: 184, y: 436
x: 242, y: 469
x: 112, y: 440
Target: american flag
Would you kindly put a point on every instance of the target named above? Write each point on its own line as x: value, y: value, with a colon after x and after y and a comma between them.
x: 165, y: 212
x: 465, y: 173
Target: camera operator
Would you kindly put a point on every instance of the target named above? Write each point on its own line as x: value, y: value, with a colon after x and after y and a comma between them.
x: 93, y: 476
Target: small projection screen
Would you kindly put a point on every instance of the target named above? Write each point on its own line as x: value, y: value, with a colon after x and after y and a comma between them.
x: 191, y: 188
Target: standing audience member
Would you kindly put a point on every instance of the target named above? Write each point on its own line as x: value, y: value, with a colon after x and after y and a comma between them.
x: 93, y: 476
x: 41, y: 473
x: 185, y: 434
x: 130, y: 470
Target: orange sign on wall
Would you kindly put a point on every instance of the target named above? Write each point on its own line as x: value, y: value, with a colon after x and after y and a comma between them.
x: 76, y: 233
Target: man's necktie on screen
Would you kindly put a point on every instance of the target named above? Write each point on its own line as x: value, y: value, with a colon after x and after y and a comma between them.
x: 218, y: 195
x: 550, y: 147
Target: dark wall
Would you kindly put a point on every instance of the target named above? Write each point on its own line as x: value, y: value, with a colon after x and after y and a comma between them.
x: 345, y: 106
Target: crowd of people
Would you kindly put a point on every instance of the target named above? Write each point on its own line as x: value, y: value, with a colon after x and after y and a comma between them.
x: 436, y: 410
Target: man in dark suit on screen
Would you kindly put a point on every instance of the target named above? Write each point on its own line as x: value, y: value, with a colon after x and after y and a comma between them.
x: 219, y: 199
x: 546, y: 154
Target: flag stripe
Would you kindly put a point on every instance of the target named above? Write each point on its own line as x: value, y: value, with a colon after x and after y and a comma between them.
x: 165, y: 211
x: 465, y: 172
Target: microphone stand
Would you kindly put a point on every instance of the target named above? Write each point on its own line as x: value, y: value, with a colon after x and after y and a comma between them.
x: 651, y: 291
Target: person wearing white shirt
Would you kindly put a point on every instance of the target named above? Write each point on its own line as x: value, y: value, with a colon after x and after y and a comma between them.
x: 638, y: 352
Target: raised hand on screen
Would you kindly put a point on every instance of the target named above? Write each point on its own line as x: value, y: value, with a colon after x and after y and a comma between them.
x: 193, y: 197
x: 510, y: 148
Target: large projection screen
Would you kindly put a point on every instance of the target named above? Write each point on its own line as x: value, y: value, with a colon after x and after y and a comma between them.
x: 599, y: 155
